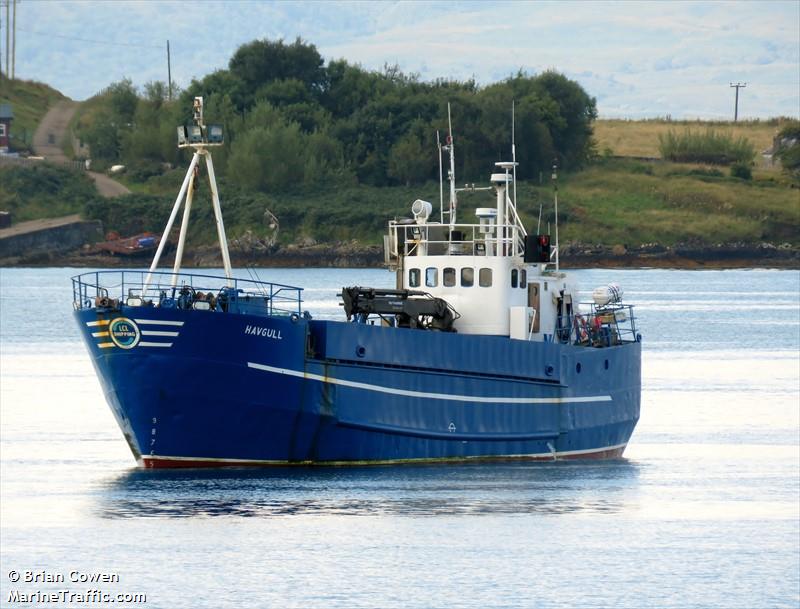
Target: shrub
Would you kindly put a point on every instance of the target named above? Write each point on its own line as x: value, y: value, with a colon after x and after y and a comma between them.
x: 710, y: 147
x: 643, y: 169
x: 42, y: 190
x: 788, y: 148
x: 143, y: 170
x: 129, y: 214
x: 741, y: 170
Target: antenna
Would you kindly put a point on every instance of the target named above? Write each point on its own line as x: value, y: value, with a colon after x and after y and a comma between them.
x: 514, y: 150
x: 441, y: 184
x: 555, y: 203
x: 452, y: 173
x: 539, y: 222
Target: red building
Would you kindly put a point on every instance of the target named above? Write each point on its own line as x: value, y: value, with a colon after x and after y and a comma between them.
x: 6, y: 116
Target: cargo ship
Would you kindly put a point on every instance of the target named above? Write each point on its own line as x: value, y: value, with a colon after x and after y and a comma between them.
x: 481, y: 351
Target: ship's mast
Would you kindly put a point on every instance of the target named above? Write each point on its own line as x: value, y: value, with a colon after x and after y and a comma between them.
x: 441, y: 183
x: 452, y: 173
x: 199, y: 137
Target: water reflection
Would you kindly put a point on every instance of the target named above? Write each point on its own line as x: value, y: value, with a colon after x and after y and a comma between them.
x: 452, y: 490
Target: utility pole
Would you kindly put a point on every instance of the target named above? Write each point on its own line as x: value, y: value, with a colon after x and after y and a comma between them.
x: 737, y: 86
x: 169, y: 74
x: 14, y: 41
x: 8, y: 36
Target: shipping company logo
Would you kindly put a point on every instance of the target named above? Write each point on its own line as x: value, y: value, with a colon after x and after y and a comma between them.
x: 124, y: 333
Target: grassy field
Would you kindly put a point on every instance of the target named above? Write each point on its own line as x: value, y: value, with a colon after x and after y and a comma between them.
x: 640, y: 138
x: 29, y: 102
x: 634, y: 203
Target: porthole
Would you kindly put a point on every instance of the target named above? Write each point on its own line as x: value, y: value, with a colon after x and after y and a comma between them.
x: 606, y: 364
x: 485, y: 278
x: 449, y: 277
x: 413, y: 278
x: 467, y: 277
x: 578, y: 367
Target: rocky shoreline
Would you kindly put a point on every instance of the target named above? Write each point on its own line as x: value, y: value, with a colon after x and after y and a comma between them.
x: 354, y: 255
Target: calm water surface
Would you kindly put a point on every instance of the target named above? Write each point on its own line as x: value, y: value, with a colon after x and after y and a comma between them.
x: 703, y: 512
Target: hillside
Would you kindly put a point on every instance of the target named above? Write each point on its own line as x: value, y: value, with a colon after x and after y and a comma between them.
x: 30, y: 102
x: 334, y: 151
x: 611, y: 202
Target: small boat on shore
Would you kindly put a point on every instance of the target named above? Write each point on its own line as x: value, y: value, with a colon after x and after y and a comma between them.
x: 481, y: 351
x: 139, y: 245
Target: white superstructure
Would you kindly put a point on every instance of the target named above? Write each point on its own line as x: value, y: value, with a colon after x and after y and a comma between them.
x: 500, y: 280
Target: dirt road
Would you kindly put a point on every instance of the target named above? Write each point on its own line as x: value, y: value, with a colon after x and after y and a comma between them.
x: 47, y: 143
x: 50, y: 132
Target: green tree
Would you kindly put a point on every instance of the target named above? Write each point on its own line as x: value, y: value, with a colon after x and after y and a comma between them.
x: 268, y: 158
x: 156, y: 92
x: 122, y: 101
x: 263, y: 61
x: 103, y: 137
x: 409, y: 161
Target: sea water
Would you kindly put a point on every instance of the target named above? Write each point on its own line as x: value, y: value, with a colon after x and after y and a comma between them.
x: 704, y: 510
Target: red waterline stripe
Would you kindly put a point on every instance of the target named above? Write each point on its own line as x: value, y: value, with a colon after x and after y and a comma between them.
x: 184, y: 462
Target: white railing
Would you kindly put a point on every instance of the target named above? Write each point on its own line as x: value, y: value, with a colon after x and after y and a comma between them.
x: 458, y: 239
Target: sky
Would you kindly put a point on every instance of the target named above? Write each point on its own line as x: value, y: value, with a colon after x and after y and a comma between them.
x: 639, y: 59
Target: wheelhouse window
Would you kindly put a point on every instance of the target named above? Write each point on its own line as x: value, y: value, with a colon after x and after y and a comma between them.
x: 413, y: 278
x: 431, y: 277
x: 523, y: 278
x: 514, y: 278
x: 467, y: 277
x: 449, y: 277
x: 485, y: 278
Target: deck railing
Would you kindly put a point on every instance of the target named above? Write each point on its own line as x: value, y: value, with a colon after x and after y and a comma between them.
x: 166, y: 289
x: 601, y: 327
x: 459, y: 239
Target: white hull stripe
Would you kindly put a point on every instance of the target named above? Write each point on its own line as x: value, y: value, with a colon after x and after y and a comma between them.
x: 548, y: 455
x: 99, y: 334
x: 156, y: 322
x: 99, y: 322
x: 158, y: 333
x: 426, y: 395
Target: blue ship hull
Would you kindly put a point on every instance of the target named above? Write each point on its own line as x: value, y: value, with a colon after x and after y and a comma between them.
x: 198, y: 388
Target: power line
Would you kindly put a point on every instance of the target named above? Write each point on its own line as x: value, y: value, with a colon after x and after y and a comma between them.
x: 117, y: 44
